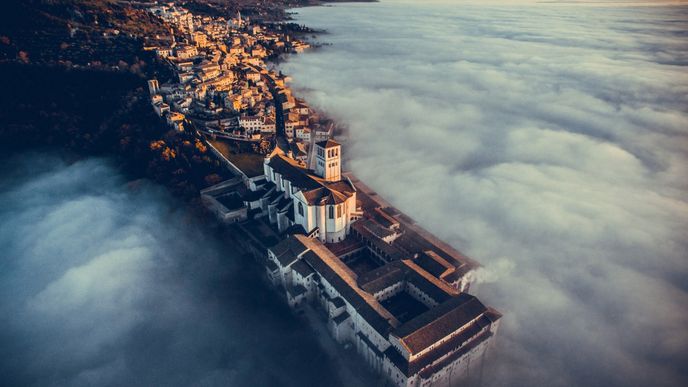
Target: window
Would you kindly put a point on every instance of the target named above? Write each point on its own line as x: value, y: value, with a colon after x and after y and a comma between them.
x: 339, y: 211
x: 331, y: 212
x: 300, y: 209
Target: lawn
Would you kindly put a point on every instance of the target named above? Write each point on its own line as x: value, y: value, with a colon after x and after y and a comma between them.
x: 248, y: 162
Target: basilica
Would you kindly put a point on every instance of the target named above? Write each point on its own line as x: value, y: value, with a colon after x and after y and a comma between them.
x: 320, y: 202
x: 385, y: 285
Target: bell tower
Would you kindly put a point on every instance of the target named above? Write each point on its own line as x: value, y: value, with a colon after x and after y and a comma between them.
x: 328, y: 160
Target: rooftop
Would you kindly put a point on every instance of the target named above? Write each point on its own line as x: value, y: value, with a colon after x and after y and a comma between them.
x: 316, y: 190
x: 288, y: 250
x: 335, y: 272
x: 437, y: 323
x: 327, y: 144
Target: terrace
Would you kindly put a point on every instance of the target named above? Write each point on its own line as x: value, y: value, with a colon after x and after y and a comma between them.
x: 246, y: 161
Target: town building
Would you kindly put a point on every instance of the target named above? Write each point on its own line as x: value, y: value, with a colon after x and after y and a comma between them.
x: 153, y: 87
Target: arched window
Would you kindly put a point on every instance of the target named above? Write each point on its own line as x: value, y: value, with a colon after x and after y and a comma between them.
x: 331, y: 212
x: 300, y: 209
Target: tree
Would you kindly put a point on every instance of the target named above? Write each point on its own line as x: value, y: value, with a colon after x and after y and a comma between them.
x: 201, y: 147
x: 23, y: 56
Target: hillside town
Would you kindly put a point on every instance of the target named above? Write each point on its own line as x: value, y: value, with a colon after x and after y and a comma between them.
x: 379, y: 281
x: 224, y: 86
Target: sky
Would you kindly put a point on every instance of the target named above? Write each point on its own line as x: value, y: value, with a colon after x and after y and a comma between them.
x: 548, y: 142
x: 109, y: 282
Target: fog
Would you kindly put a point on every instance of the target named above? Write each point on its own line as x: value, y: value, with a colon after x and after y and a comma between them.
x: 547, y: 142
x: 105, y: 282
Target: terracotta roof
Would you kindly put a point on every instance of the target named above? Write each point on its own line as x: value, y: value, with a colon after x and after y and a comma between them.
x: 457, y: 346
x: 293, y: 171
x: 340, y: 276
x: 390, y: 251
x: 375, y: 228
x: 434, y: 264
x: 382, y: 277
x: 466, y: 347
x: 297, y: 149
x: 437, y: 323
x: 327, y: 144
x: 435, y: 288
x: 343, y: 186
x: 325, y: 195
x: 316, y: 190
x: 404, y: 270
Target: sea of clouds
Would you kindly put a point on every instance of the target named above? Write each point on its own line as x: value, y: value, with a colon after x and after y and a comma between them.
x: 105, y: 282
x: 547, y: 141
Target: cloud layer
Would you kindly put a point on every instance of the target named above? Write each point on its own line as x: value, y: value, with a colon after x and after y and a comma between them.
x: 110, y: 283
x: 548, y: 142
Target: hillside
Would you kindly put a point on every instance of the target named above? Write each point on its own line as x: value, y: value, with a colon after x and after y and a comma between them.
x: 74, y: 32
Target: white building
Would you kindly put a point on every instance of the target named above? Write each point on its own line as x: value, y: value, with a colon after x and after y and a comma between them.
x: 252, y: 123
x: 437, y: 344
x: 186, y: 52
x: 303, y: 134
x: 153, y: 87
x: 321, y: 202
x: 269, y: 125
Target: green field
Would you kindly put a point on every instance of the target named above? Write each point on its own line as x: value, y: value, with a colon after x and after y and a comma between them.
x: 251, y: 164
